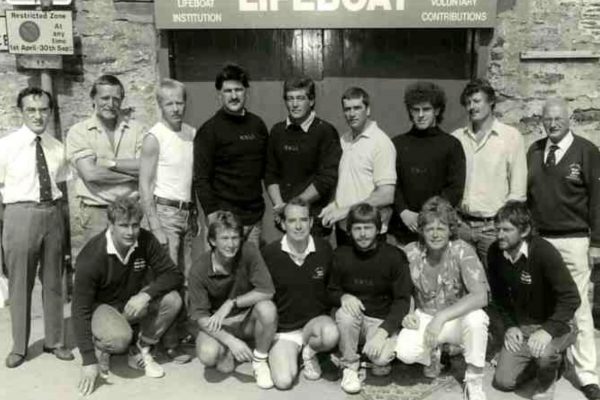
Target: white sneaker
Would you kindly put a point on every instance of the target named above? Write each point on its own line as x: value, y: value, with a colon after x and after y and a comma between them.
x: 226, y: 364
x: 312, y: 369
x: 351, y: 382
x: 474, y: 388
x: 381, y: 370
x: 143, y: 360
x: 262, y: 373
x: 103, y: 362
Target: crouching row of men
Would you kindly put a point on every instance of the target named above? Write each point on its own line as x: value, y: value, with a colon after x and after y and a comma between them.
x: 300, y: 298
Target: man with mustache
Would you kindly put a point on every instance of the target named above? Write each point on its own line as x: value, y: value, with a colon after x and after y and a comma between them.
x: 105, y: 150
x: 303, y: 154
x: 564, y: 197
x: 166, y: 187
x: 230, y: 154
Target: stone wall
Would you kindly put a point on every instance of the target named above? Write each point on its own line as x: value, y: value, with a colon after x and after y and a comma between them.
x: 546, y: 25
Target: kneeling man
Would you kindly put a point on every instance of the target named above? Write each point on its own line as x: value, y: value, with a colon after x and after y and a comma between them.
x: 230, y: 291
x: 370, y: 282
x: 537, y: 299
x: 300, y: 265
x: 124, y: 277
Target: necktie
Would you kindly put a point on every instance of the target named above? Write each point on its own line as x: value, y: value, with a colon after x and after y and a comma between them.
x: 551, y: 158
x: 42, y: 169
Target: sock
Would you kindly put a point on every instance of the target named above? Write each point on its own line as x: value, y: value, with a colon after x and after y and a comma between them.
x: 308, y: 352
x: 259, y: 356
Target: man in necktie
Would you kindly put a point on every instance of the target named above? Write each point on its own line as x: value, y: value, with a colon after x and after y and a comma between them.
x: 32, y: 162
x: 564, y: 197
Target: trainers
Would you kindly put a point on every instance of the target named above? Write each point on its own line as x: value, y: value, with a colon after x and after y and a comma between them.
x: 474, y: 388
x: 591, y: 391
x: 143, y: 360
x: 226, y: 364
x: 543, y: 394
x: 103, y: 362
x: 434, y: 368
x: 262, y: 373
x: 381, y: 370
x: 351, y: 382
x: 312, y: 369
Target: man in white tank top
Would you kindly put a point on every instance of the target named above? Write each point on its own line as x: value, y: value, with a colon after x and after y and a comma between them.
x: 166, y: 181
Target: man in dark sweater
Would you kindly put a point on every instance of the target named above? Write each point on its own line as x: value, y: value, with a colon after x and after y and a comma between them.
x: 370, y: 283
x: 429, y: 162
x: 303, y: 154
x: 536, y: 297
x: 124, y: 277
x: 564, y: 197
x: 229, y: 155
x: 299, y: 265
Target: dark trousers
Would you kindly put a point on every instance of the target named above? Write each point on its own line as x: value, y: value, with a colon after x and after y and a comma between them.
x: 512, y: 368
x: 33, y: 234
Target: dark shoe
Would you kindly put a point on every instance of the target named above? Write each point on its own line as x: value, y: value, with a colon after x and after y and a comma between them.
x: 591, y: 391
x: 14, y: 360
x: 178, y: 356
x: 62, y: 353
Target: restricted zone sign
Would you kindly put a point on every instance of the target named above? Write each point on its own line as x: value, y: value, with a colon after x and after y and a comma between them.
x: 39, y: 32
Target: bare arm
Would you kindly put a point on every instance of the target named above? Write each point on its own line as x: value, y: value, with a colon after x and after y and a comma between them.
x: 148, y: 163
x: 89, y: 171
x: 127, y: 166
x: 382, y: 196
x: 471, y: 302
x: 310, y: 194
x: 275, y: 194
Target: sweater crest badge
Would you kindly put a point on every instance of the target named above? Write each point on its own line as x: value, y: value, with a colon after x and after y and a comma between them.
x: 574, y: 172
x: 139, y: 264
x: 525, y: 278
x: 318, y: 273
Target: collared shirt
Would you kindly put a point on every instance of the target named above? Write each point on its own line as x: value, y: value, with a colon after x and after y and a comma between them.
x: 304, y: 125
x: 111, y: 249
x: 523, y: 251
x: 563, y: 146
x: 459, y: 273
x: 18, y: 168
x: 496, y: 169
x: 88, y: 139
x: 297, y: 258
x: 368, y: 160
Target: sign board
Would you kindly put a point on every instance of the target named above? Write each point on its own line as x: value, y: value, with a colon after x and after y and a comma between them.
x: 290, y: 14
x: 37, y: 2
x: 39, y: 32
x: 34, y: 61
x: 3, y: 35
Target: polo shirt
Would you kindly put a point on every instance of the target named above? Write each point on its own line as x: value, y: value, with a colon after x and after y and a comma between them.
x: 496, y: 169
x: 88, y: 139
x: 18, y: 169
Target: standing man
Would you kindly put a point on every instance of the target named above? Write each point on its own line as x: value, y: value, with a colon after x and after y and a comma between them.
x: 303, y: 154
x: 537, y: 298
x: 124, y: 278
x: 370, y: 283
x: 230, y: 155
x: 32, y: 162
x: 564, y: 197
x: 496, y: 166
x: 299, y: 265
x: 429, y: 162
x: 166, y: 189
x: 230, y: 299
x: 367, y: 171
x: 105, y: 150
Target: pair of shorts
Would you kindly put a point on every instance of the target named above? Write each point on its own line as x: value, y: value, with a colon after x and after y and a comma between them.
x: 291, y: 336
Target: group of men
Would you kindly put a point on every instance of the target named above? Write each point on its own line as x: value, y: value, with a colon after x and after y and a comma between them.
x: 371, y: 189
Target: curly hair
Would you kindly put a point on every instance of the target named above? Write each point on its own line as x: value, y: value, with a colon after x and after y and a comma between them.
x: 438, y: 209
x: 426, y: 92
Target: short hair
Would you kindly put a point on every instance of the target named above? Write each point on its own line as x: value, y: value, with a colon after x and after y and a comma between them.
x: 517, y: 213
x: 232, y: 72
x: 124, y: 208
x: 170, y: 84
x: 298, y: 202
x: 478, y: 85
x: 300, y: 83
x: 106, y: 80
x: 556, y: 101
x: 440, y: 209
x: 363, y: 213
x: 425, y: 92
x: 35, y: 92
x: 224, y: 220
x: 355, y: 92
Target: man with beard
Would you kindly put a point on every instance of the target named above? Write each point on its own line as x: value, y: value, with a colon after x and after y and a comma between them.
x: 370, y: 283
x: 537, y: 299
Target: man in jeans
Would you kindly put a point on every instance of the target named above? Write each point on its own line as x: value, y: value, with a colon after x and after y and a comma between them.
x: 537, y: 299
x: 124, y: 278
x: 370, y: 283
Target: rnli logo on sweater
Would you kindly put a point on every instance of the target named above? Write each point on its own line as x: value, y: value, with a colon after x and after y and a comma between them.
x: 525, y: 278
x: 574, y: 172
x: 247, y: 136
x: 318, y: 273
x: 139, y: 264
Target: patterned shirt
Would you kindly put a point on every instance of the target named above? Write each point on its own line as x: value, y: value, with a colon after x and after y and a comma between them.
x: 460, y: 273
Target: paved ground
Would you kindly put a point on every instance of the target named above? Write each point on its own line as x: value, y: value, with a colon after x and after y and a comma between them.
x: 44, y: 377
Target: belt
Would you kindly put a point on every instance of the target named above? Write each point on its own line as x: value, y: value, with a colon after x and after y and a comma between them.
x: 475, y: 218
x: 48, y: 203
x: 181, y: 205
x: 95, y: 205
